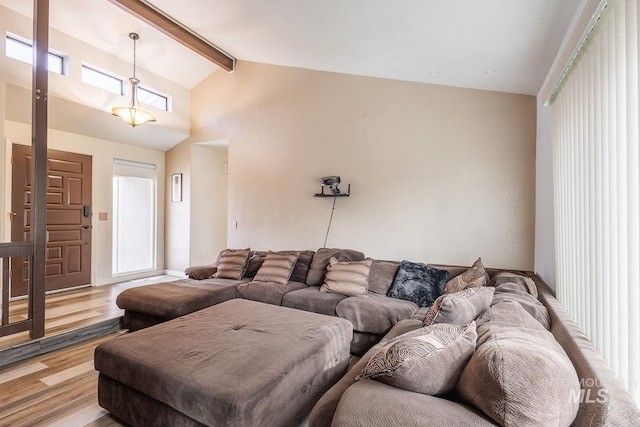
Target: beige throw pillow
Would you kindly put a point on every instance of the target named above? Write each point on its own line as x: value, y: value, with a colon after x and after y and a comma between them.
x: 461, y: 307
x: 474, y: 276
x: 232, y: 264
x: 428, y: 360
x: 348, y: 278
x: 276, y: 268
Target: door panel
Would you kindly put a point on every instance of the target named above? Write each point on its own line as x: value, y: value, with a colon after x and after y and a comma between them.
x: 68, y: 254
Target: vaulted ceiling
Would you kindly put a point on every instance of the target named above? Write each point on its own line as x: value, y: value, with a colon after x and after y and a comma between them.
x: 501, y: 45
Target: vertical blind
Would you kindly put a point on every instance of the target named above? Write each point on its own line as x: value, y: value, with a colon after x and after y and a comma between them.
x: 597, y: 190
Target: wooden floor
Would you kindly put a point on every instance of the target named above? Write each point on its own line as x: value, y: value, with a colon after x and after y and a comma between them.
x: 75, y: 309
x: 60, y: 388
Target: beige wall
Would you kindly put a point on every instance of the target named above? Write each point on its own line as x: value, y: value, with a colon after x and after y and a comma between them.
x: 208, y: 210
x: 438, y: 174
x: 178, y: 222
x: 103, y: 152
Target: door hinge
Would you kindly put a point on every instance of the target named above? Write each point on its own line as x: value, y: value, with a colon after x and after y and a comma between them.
x: 11, y: 216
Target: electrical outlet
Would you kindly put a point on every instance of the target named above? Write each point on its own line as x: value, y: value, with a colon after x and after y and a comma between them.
x: 103, y: 216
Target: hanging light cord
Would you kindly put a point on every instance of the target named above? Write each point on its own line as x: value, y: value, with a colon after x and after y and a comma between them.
x: 134, y: 55
x: 330, y: 220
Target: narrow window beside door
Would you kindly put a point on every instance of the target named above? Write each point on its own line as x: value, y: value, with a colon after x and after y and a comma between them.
x: 134, y: 217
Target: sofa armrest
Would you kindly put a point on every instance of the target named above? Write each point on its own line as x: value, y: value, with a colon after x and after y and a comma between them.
x: 200, y: 272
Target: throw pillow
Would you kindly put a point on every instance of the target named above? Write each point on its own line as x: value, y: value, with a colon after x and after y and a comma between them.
x: 474, y: 276
x: 348, y: 278
x: 301, y: 268
x: 519, y: 375
x: 460, y: 307
x: 276, y: 268
x: 418, y: 283
x: 233, y: 264
x: 320, y: 261
x: 428, y: 360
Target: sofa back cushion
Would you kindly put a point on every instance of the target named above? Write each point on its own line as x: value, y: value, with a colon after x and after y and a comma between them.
x: 320, y: 261
x: 256, y: 258
x: 276, y: 268
x: 519, y: 375
x: 232, y: 264
x: 382, y: 275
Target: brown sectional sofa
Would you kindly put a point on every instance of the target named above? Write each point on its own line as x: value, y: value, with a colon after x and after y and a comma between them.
x: 371, y: 317
x: 601, y: 399
x: 379, y: 319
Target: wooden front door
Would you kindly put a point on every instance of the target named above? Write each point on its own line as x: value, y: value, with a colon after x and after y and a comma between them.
x: 68, y: 254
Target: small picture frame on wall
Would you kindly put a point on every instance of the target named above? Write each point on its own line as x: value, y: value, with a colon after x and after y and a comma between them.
x: 176, y: 187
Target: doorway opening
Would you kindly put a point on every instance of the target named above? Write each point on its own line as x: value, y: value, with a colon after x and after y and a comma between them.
x: 134, y: 217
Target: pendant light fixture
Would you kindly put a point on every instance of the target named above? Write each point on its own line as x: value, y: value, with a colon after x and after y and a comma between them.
x: 133, y: 114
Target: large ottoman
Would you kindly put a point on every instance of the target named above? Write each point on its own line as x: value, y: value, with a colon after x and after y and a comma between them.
x: 238, y: 363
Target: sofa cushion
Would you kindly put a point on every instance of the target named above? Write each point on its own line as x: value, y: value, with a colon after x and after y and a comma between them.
x: 372, y: 403
x: 510, y: 292
x: 311, y: 299
x: 428, y: 360
x: 269, y: 292
x: 276, y: 268
x: 418, y: 283
x: 376, y: 314
x: 320, y: 261
x: 519, y: 375
x: 233, y: 264
x: 347, y: 278
x: 168, y: 300
x: 474, y: 276
x: 460, y: 308
x: 382, y: 275
x: 522, y: 283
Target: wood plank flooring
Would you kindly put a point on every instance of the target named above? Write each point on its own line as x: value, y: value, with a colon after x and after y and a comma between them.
x: 60, y: 388
x: 71, y: 310
x: 56, y: 389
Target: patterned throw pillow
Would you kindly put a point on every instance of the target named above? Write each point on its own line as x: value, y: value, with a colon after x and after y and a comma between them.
x: 418, y: 283
x: 276, y: 268
x: 474, y: 276
x: 461, y: 307
x: 428, y: 360
x: 348, y: 278
x: 233, y: 264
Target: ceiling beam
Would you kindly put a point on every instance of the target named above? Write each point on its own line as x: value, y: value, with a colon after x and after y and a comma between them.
x: 176, y: 31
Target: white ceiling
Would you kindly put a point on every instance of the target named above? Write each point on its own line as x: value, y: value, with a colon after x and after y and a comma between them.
x: 502, y: 45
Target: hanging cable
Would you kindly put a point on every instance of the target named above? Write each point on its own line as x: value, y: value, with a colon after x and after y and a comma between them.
x: 330, y: 219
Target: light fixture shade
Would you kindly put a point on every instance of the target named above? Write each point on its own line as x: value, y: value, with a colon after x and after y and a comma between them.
x: 131, y: 113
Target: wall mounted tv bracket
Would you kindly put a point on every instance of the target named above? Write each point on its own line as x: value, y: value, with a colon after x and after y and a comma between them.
x: 333, y: 183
